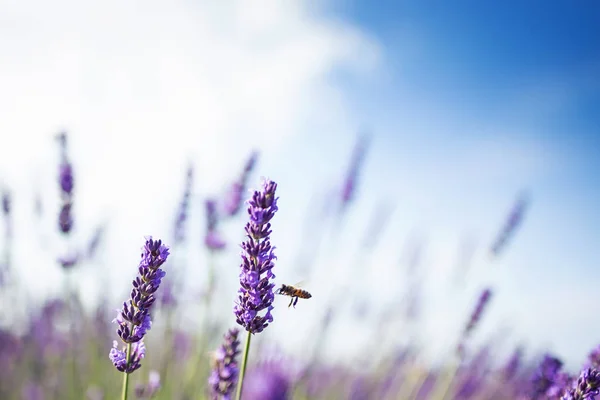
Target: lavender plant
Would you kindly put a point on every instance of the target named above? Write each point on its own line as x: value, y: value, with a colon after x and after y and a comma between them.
x: 182, y: 212
x: 134, y: 319
x: 587, y: 387
x: 65, y: 180
x: 213, y: 239
x: 233, y: 200
x: 256, y: 286
x: 225, y: 367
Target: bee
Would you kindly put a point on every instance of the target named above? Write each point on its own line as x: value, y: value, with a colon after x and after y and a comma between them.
x: 294, y: 292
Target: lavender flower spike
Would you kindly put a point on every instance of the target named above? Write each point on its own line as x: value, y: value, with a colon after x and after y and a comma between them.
x: 479, y: 310
x: 233, y: 201
x: 134, y: 318
x: 225, y: 370
x: 256, y: 291
x: 588, y: 386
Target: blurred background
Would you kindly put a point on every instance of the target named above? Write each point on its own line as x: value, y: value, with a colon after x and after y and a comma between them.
x: 423, y: 152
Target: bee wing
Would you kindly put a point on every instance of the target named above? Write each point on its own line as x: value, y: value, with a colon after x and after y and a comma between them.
x: 300, y: 284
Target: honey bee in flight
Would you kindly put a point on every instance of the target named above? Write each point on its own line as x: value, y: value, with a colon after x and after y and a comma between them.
x: 294, y: 292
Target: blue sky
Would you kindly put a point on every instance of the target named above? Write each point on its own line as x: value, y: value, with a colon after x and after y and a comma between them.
x: 468, y: 103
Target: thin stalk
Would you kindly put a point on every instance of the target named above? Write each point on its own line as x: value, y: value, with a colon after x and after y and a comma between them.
x: 238, y: 394
x: 126, y: 375
x: 441, y: 391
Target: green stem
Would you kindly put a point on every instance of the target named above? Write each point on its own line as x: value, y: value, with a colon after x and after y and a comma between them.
x: 442, y: 391
x: 238, y: 394
x: 126, y: 375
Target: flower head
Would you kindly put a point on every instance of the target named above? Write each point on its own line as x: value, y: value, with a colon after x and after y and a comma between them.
x: 587, y: 387
x: 484, y: 299
x: 225, y: 371
x: 212, y: 240
x: 267, y: 382
x: 134, y: 319
x: 233, y: 201
x: 515, y: 218
x: 65, y: 181
x: 119, y: 356
x: 182, y: 212
x: 358, y: 155
x: 544, y: 376
x: 256, y: 287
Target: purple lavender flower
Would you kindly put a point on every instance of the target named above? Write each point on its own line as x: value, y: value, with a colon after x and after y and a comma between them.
x: 65, y: 218
x: 6, y: 203
x: 119, y: 357
x: 182, y: 213
x: 562, y: 382
x: 224, y: 376
x: 588, y: 386
x: 33, y: 391
x: 95, y: 241
x: 512, y: 366
x: 478, y: 312
x: 65, y: 180
x: 134, y: 318
x: 148, y: 390
x: 267, y: 383
x: 68, y: 261
x: 212, y: 240
x: 594, y: 359
x: 256, y: 291
x: 233, y: 201
x: 544, y: 376
x: 355, y: 164
x: 515, y: 219
x: 66, y: 177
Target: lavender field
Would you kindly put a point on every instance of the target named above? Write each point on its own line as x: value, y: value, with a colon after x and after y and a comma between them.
x: 152, y: 347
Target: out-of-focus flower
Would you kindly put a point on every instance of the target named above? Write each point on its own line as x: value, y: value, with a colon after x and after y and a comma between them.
x: 588, y: 386
x: 358, y: 155
x: 266, y: 383
x: 513, y: 221
x: 134, y: 318
x: 148, y: 390
x: 212, y: 239
x: 6, y: 203
x: 65, y: 218
x: 594, y: 359
x: 95, y: 241
x: 512, y: 366
x: 68, y: 261
x: 233, y: 200
x: 66, y: 182
x: 562, y: 382
x: 182, y: 212
x: 483, y: 301
x: 544, y: 376
x: 167, y: 297
x: 32, y: 391
x: 256, y: 291
x: 225, y: 371
x: 182, y: 345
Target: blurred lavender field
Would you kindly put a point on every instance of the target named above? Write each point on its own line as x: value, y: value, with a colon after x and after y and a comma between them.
x: 448, y: 245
